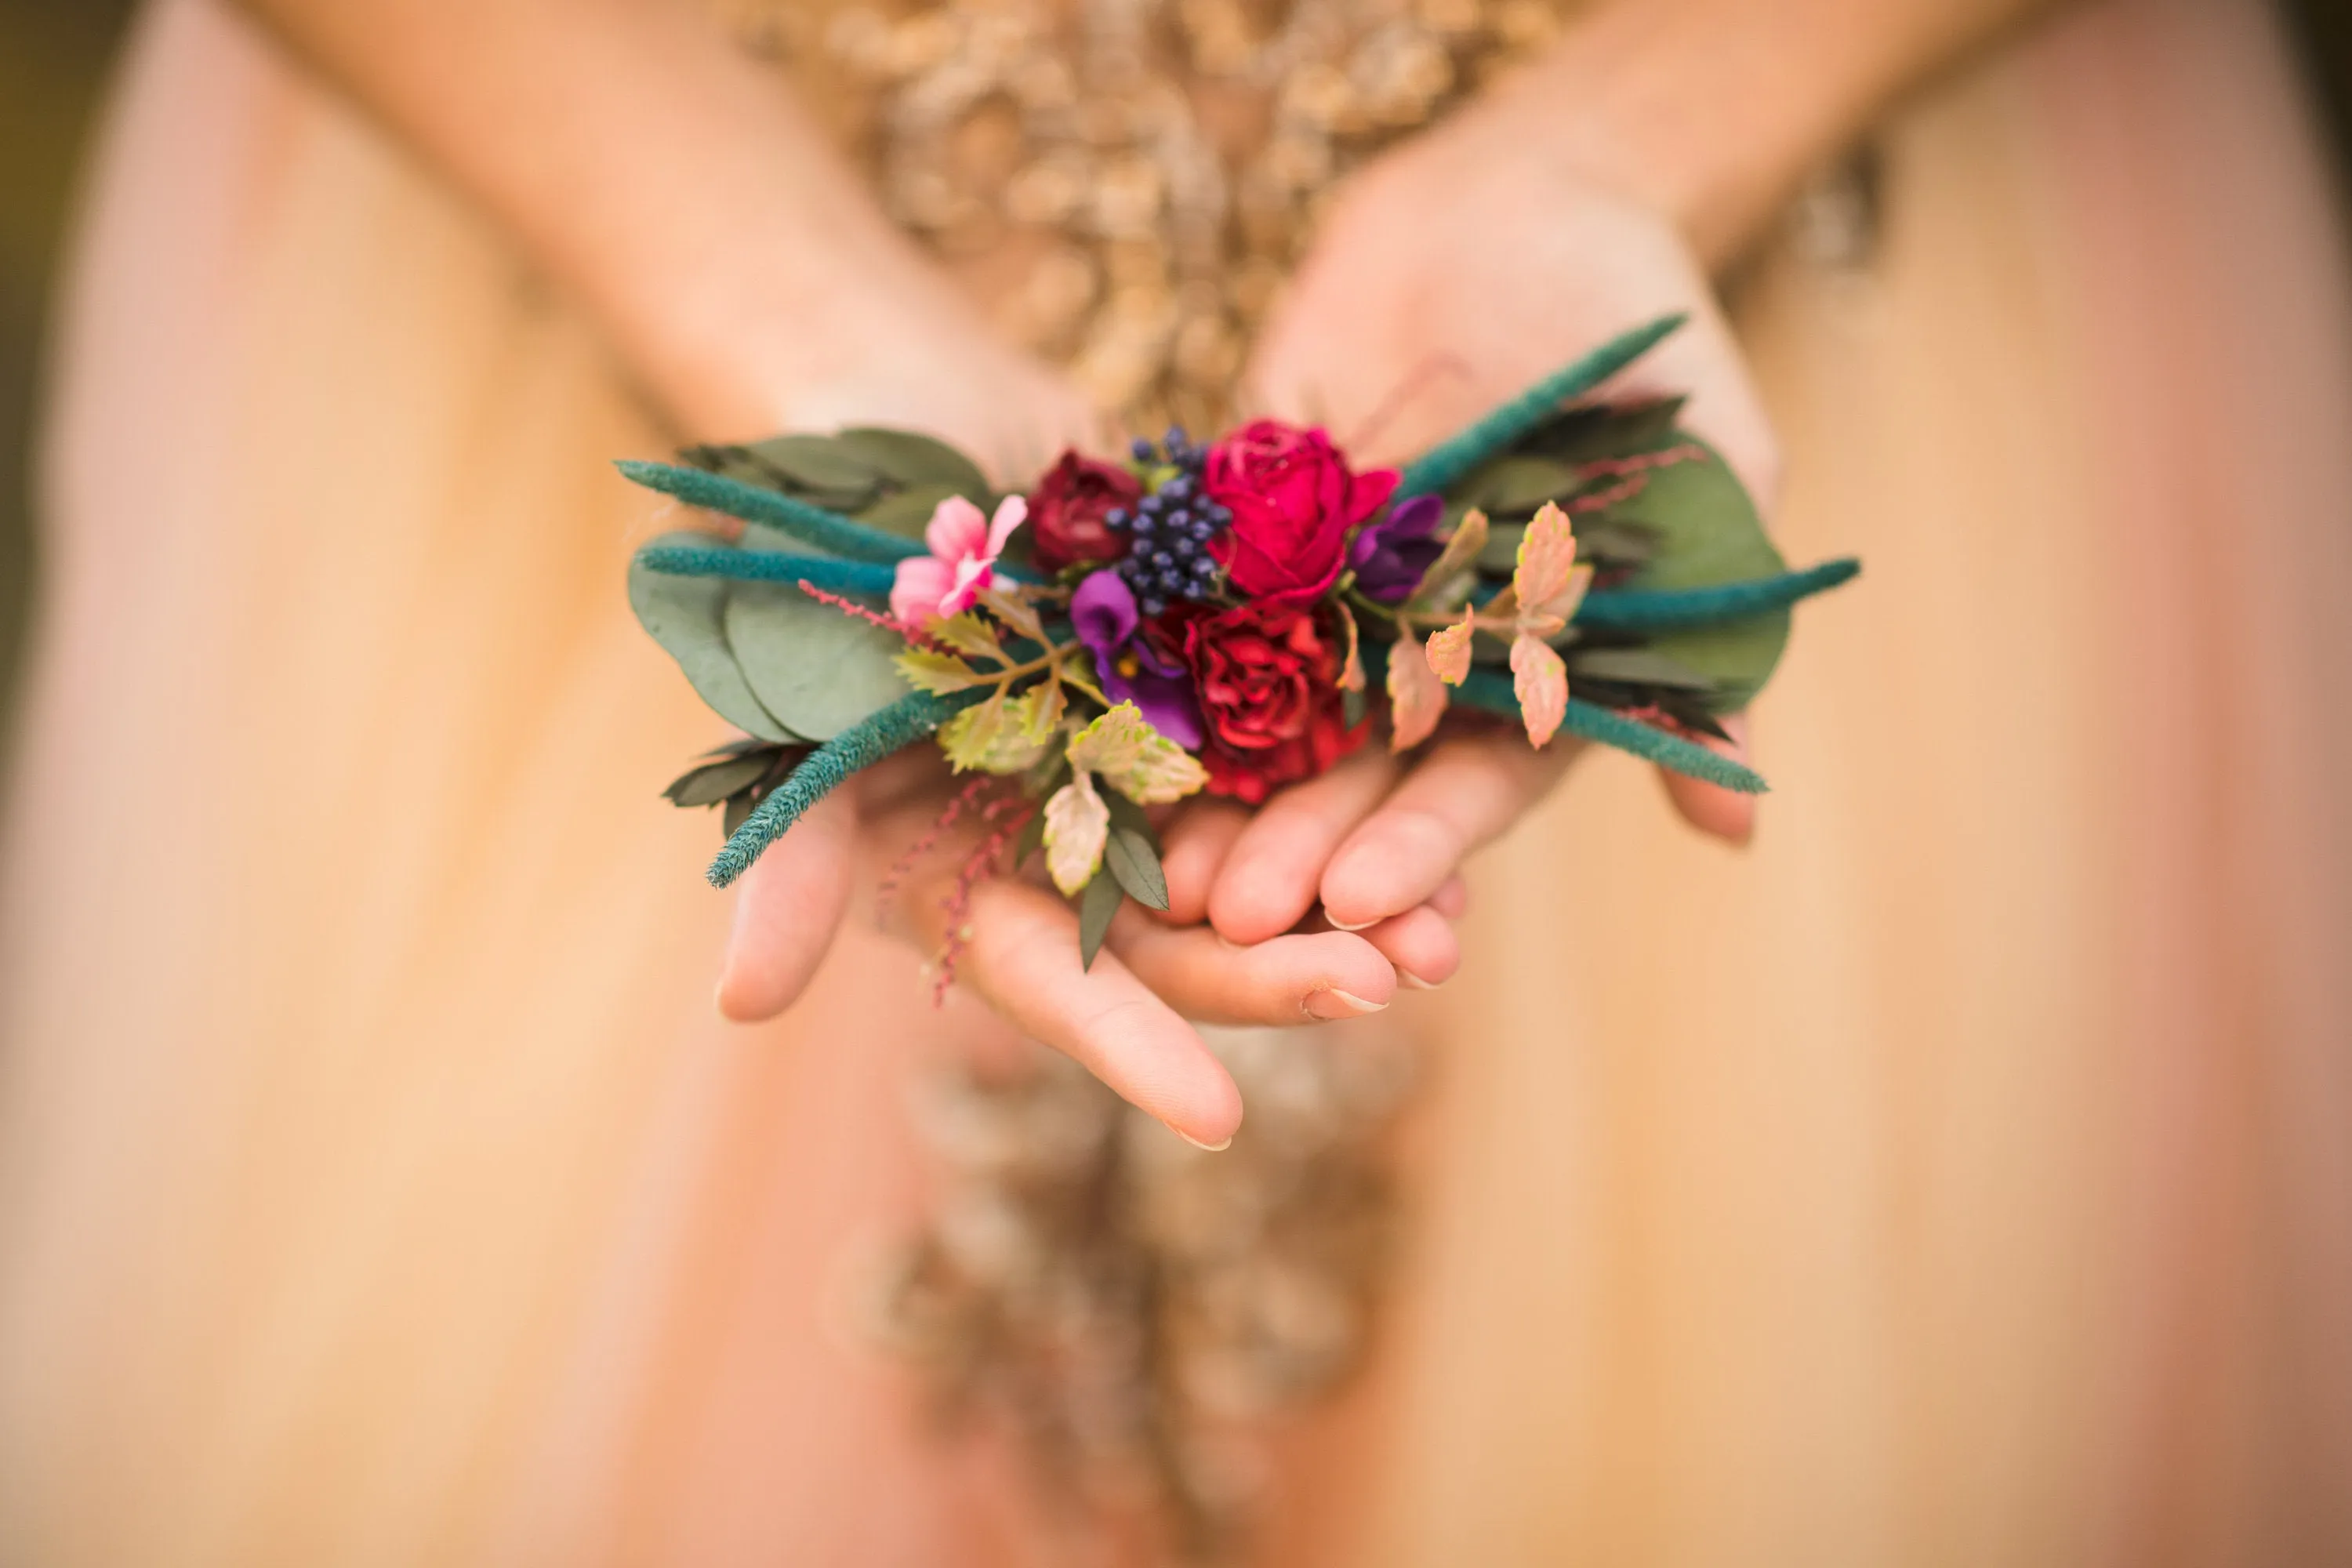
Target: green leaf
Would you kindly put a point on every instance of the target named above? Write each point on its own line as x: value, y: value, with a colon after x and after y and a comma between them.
x: 1135, y: 863
x: 911, y: 460
x: 1126, y: 814
x: 1709, y: 534
x: 1515, y: 484
x: 714, y: 782
x: 995, y: 737
x: 818, y: 463
x: 967, y: 635
x: 1635, y: 667
x: 907, y: 512
x: 1596, y: 430
x: 686, y: 616
x: 817, y: 669
x: 1032, y: 839
x: 927, y: 669
x: 738, y: 807
x: 1099, y: 903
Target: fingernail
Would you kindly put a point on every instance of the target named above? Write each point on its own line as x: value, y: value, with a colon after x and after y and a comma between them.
x: 1343, y: 925
x: 1330, y: 1001
x: 1206, y: 1148
x: 1408, y: 978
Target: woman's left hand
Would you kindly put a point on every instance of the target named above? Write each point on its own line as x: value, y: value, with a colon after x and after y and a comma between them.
x: 1450, y: 275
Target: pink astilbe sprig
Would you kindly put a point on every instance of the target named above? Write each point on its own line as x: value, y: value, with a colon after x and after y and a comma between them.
x: 1633, y: 474
x: 999, y: 816
x: 886, y: 896
x: 856, y: 611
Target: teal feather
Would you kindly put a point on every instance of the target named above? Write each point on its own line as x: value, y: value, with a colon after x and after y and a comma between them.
x: 1492, y: 690
x: 860, y: 577
x: 827, y: 531
x: 1675, y: 609
x: 1451, y: 460
x: 861, y: 745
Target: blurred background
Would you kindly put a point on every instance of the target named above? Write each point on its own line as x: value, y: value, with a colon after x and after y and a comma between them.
x: 54, y: 56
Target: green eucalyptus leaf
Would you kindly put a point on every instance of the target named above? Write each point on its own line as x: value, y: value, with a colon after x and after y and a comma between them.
x: 1708, y: 534
x: 1611, y: 542
x: 686, y: 616
x: 1635, y: 667
x: 909, y: 512
x: 818, y: 463
x: 912, y: 460
x: 1133, y: 860
x: 1097, y: 905
x: 815, y: 667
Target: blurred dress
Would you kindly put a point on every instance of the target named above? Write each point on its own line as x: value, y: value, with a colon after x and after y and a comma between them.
x: 1963, y: 1173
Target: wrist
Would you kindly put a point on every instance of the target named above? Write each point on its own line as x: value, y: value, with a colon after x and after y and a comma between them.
x: 1713, y: 111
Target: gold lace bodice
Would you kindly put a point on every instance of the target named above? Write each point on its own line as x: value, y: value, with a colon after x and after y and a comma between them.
x: 1126, y: 183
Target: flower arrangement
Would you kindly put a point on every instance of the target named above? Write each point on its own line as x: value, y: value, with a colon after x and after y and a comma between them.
x: 1231, y: 618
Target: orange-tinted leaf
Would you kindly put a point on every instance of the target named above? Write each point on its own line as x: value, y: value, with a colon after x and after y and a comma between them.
x: 1416, y: 697
x: 1541, y: 682
x: 1351, y: 669
x: 1547, y: 557
x: 1449, y: 651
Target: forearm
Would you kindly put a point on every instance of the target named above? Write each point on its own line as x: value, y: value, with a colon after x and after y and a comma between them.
x: 648, y: 166
x: 1714, y: 109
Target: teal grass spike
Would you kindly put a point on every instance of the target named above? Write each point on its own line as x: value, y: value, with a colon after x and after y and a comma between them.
x: 1451, y: 460
x: 1491, y: 691
x: 1676, y: 609
x: 860, y: 577
x: 812, y: 525
x: 861, y: 745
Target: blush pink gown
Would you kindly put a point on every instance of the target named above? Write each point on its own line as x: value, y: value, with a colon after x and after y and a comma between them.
x: 1962, y: 1175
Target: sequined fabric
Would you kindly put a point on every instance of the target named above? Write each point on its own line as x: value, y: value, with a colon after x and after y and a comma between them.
x: 1126, y: 185
x: 1126, y: 182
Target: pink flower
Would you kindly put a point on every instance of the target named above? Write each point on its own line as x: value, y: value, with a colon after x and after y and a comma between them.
x: 1294, y: 500
x: 963, y: 562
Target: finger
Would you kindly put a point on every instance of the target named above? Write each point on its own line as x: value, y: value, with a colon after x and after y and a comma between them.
x: 1191, y: 851
x: 1468, y: 789
x: 1721, y: 812
x: 1452, y: 899
x: 1420, y: 944
x: 1270, y: 874
x: 1304, y: 979
x: 787, y: 908
x: 1022, y: 957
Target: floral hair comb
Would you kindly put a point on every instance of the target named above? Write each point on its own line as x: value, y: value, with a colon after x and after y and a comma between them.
x: 1234, y: 616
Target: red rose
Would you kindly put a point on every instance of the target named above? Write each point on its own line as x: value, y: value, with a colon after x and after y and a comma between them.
x: 1268, y: 678
x: 1067, y: 508
x: 1293, y: 501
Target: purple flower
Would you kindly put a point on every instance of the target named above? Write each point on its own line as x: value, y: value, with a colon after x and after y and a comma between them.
x: 1103, y: 613
x: 1390, y: 555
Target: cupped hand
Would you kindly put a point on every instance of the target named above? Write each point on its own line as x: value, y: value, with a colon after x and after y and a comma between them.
x: 1130, y: 1018
x: 1450, y: 275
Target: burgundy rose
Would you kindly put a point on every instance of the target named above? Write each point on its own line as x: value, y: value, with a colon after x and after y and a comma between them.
x: 1067, y: 508
x: 1268, y: 677
x: 1293, y: 501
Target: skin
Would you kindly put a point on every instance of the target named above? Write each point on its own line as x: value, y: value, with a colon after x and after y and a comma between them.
x: 616, y: 141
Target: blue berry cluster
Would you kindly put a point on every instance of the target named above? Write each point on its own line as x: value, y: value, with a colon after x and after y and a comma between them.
x: 1171, y: 528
